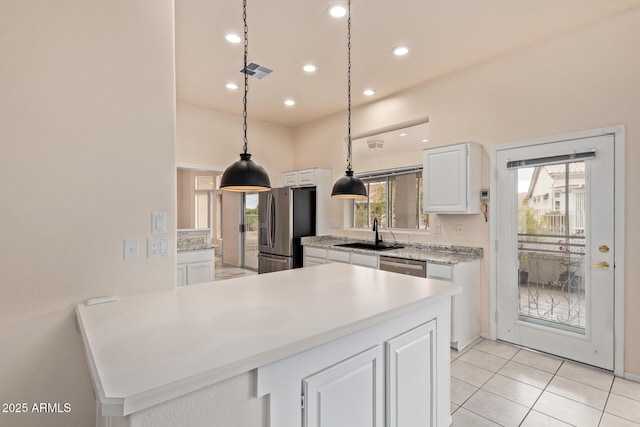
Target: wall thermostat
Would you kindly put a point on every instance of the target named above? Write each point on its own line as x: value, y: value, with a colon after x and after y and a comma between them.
x: 484, y: 195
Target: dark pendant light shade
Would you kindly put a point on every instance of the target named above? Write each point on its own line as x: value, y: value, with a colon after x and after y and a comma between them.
x: 245, y: 175
x: 349, y: 187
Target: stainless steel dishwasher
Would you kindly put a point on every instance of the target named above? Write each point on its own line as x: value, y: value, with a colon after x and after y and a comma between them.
x: 410, y: 267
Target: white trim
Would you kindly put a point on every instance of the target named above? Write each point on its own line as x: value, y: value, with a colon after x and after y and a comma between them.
x: 619, y: 231
x: 632, y: 377
x: 198, y: 167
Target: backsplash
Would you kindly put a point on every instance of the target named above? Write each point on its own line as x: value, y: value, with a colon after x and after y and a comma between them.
x: 190, y: 240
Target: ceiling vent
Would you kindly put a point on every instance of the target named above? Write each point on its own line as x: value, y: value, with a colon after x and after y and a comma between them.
x: 256, y: 70
x: 375, y: 144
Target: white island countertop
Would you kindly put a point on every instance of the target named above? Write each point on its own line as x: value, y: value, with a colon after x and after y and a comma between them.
x: 147, y: 349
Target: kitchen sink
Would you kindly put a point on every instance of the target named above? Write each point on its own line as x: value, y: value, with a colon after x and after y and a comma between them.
x: 383, y: 246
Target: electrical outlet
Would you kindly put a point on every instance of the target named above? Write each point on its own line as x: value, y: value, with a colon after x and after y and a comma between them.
x: 438, y: 229
x: 459, y: 228
x: 157, y: 247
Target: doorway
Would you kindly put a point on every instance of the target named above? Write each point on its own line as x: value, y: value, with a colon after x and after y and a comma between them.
x: 553, y: 278
x: 249, y: 236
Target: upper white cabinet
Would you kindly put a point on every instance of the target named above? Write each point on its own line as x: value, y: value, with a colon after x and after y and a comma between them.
x: 321, y: 179
x: 451, y: 176
x: 305, y: 177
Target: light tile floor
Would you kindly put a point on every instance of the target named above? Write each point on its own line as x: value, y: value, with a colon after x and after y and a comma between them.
x: 224, y: 272
x: 497, y: 384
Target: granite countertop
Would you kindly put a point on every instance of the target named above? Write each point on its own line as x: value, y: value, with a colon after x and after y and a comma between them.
x: 146, y: 349
x: 424, y: 252
x: 196, y: 247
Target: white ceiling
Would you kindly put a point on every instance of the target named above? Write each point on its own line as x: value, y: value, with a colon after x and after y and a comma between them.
x: 444, y: 36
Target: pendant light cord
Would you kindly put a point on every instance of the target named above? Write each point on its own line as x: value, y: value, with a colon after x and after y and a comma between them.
x: 246, y: 74
x: 349, y: 85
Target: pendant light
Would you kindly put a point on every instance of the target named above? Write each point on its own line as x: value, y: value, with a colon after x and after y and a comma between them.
x: 349, y: 187
x: 245, y: 174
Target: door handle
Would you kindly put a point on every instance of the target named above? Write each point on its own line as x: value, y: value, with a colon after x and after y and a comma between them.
x: 603, y: 265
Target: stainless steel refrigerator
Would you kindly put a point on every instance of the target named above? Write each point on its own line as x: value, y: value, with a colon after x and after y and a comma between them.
x: 284, y: 215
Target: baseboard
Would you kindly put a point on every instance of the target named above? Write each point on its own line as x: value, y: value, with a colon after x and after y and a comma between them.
x: 632, y: 377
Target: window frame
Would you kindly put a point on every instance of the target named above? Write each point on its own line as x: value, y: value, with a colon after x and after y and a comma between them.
x: 386, y: 175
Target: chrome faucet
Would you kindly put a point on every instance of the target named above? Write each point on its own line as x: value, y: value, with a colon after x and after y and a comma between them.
x: 378, y: 239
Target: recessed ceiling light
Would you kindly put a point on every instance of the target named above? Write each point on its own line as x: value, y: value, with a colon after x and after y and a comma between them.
x: 289, y: 102
x: 233, y: 38
x: 369, y: 92
x: 400, y: 50
x: 337, y: 10
x: 403, y: 134
x: 425, y: 140
x: 310, y: 68
x: 232, y: 86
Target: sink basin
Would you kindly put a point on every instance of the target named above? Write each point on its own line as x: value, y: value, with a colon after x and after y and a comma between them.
x: 371, y: 246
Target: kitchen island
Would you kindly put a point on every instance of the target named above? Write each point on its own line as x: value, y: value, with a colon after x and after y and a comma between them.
x: 335, y: 345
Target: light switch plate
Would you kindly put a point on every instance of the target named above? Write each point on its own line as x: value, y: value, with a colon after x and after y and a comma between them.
x: 131, y: 249
x: 158, y: 222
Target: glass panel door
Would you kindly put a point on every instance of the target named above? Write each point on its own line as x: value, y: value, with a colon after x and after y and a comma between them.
x: 554, y: 248
x: 551, y: 246
x: 250, y: 241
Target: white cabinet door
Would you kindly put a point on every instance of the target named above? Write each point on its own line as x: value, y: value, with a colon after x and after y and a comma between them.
x: 313, y: 256
x: 200, y: 272
x: 290, y: 179
x: 411, y: 378
x: 451, y: 177
x: 306, y: 177
x: 348, y: 394
x: 181, y: 276
x: 364, y: 260
x: 338, y: 256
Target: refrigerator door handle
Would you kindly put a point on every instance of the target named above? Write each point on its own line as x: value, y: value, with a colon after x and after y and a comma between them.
x: 274, y: 259
x: 269, y: 221
x: 273, y: 222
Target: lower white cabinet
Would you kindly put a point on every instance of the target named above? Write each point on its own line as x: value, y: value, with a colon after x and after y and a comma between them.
x: 411, y: 370
x: 313, y: 256
x: 181, y: 276
x: 393, y: 374
x: 347, y: 394
x: 316, y: 256
x: 364, y: 260
x: 196, y: 266
x: 465, y: 306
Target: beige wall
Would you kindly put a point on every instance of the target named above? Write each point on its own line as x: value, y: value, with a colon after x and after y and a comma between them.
x: 213, y: 139
x: 583, y: 80
x: 87, y: 100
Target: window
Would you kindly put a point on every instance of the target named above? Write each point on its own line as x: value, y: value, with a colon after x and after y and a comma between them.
x: 395, y: 198
x: 203, y: 196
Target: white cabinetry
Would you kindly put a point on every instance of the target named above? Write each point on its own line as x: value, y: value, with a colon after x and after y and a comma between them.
x: 321, y: 179
x: 316, y: 256
x: 392, y: 374
x: 338, y: 256
x: 465, y: 313
x: 411, y: 368
x: 451, y: 177
x: 196, y: 266
x: 364, y: 260
x: 313, y: 256
x: 181, y: 275
x: 358, y: 381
